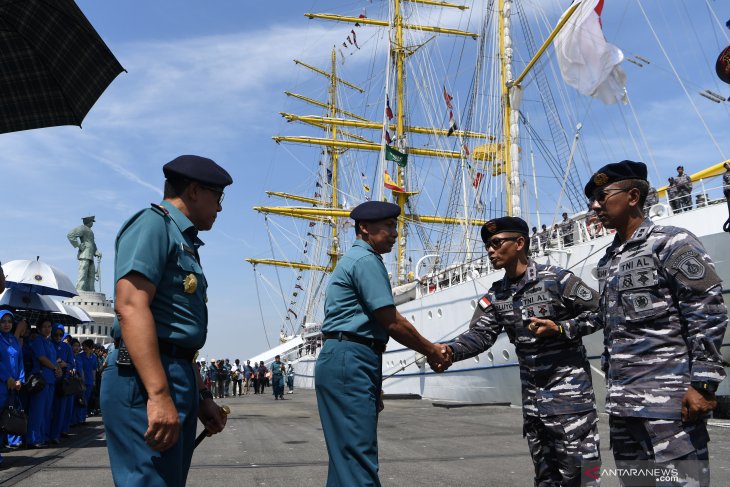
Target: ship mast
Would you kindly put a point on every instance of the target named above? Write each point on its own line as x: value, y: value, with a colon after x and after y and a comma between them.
x: 399, y: 54
x: 334, y: 155
x: 510, y: 104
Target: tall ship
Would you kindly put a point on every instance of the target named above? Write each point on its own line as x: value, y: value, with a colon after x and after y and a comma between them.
x: 459, y: 114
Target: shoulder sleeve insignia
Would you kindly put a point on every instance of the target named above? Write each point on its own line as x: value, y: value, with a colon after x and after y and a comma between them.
x: 582, y: 292
x: 600, y: 179
x: 484, y: 303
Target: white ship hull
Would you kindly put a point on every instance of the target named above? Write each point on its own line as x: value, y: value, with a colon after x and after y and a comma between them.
x: 493, y: 376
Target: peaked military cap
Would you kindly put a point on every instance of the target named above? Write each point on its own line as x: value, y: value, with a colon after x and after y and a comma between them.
x: 617, y: 171
x: 504, y: 224
x: 374, y: 210
x: 199, y: 169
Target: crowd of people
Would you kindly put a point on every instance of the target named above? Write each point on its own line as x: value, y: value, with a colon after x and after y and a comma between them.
x: 48, y: 374
x: 226, y: 379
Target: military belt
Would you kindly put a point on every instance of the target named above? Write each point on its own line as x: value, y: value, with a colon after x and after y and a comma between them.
x: 168, y: 349
x: 377, y: 346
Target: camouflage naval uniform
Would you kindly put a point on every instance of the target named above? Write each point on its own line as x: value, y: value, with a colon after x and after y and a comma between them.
x: 560, y: 420
x: 652, y: 198
x: 726, y: 184
x: 664, y: 319
x: 684, y: 192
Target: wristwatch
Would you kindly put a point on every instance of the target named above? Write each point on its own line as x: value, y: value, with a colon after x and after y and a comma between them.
x: 705, y: 387
x: 205, y: 394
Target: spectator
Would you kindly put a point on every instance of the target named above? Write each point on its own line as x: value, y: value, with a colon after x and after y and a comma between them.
x: 87, y: 367
x: 262, y: 373
x: 12, y: 372
x: 566, y: 230
x: 255, y: 378
x: 543, y: 236
x: 290, y: 378
x: 41, y: 402
x: 672, y: 195
x: 684, y: 189
x: 652, y: 198
x: 237, y: 378
x: 248, y: 375
x: 227, y: 377
x: 534, y: 241
x: 726, y: 182
x: 213, y: 376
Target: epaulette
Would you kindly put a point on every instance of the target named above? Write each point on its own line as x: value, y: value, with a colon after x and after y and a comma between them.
x: 159, y: 208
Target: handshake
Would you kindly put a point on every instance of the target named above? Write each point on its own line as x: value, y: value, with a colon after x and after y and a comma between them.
x: 440, y: 357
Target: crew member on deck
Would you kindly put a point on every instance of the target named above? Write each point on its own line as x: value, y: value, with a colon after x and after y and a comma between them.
x: 360, y: 315
x: 151, y: 393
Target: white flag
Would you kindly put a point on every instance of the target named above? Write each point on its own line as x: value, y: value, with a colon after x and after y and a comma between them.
x: 587, y: 62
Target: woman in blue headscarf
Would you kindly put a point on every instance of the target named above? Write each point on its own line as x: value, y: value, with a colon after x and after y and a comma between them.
x: 12, y: 373
x: 62, y: 405
x: 44, y: 361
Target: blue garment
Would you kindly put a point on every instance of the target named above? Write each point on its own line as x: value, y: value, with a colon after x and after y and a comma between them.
x: 348, y: 381
x: 163, y: 247
x: 124, y: 403
x: 62, y: 405
x: 161, y: 244
x: 41, y: 403
x: 11, y: 367
x: 277, y: 379
x: 359, y: 286
x: 89, y: 365
x: 348, y: 375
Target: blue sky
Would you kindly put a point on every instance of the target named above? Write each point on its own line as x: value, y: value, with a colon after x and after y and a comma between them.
x: 207, y: 78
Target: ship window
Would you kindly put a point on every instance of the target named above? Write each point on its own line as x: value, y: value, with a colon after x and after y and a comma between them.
x: 473, y: 304
x: 439, y: 313
x: 505, y: 354
x: 476, y: 359
x: 430, y: 315
x: 490, y: 356
x: 413, y: 318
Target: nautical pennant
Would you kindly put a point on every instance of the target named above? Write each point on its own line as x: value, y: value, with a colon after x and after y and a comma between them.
x: 354, y: 39
x: 363, y: 15
x: 448, y: 98
x: 388, y: 140
x: 388, y: 111
x: 477, y: 180
x: 452, y: 124
x: 329, y: 176
x: 466, y: 150
x: 299, y: 287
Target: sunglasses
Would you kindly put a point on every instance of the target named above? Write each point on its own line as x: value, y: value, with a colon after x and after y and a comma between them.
x: 220, y: 193
x: 600, y: 196
x: 496, y: 242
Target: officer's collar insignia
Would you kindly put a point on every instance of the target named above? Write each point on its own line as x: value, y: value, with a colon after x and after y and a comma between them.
x: 491, y: 226
x: 190, y: 284
x: 600, y: 179
x: 161, y: 208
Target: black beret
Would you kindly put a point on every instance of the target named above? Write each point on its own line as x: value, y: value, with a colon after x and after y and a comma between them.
x: 374, y: 210
x: 199, y: 169
x: 504, y: 224
x: 617, y: 171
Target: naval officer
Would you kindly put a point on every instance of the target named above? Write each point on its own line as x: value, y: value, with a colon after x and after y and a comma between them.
x: 663, y: 318
x: 558, y: 405
x: 360, y: 316
x: 152, y: 394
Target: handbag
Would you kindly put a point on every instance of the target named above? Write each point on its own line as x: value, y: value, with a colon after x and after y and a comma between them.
x: 35, y: 383
x: 13, y: 420
x: 70, y: 386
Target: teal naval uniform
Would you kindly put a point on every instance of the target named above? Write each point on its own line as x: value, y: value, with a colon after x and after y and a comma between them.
x: 161, y: 244
x: 348, y: 373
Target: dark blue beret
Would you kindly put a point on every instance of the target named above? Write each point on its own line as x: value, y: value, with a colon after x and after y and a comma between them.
x: 374, y: 210
x: 617, y: 171
x: 199, y: 169
x: 504, y: 224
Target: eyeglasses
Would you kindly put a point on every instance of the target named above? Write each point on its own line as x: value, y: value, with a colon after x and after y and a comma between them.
x: 496, y: 243
x: 600, y: 196
x: 219, y: 192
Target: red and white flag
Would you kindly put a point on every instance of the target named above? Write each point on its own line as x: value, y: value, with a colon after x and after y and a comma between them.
x: 587, y: 61
x: 448, y: 98
x: 477, y: 180
x: 452, y: 124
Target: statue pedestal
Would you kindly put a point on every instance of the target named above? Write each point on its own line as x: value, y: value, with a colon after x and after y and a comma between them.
x: 101, y: 311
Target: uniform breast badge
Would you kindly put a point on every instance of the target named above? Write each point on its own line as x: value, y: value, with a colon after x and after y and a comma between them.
x: 190, y: 284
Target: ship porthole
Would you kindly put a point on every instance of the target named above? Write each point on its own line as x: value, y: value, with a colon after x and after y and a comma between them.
x: 505, y: 354
x: 430, y: 315
x: 473, y: 304
x: 490, y: 356
x: 476, y: 359
x: 413, y: 318
x: 439, y: 313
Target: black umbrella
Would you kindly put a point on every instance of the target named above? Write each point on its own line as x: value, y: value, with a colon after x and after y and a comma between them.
x: 53, y: 64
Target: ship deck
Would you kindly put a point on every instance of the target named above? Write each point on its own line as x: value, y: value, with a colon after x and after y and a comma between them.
x: 279, y: 443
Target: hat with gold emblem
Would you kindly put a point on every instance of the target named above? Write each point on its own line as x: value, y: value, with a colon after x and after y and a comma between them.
x: 617, y: 171
x: 504, y: 224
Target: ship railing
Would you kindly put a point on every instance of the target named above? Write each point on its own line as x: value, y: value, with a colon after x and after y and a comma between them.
x: 710, y: 193
x: 455, y: 274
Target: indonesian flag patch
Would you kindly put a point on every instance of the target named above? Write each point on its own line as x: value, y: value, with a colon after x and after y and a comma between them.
x: 484, y: 303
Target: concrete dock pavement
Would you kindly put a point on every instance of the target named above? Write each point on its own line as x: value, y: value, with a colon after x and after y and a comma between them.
x: 280, y: 444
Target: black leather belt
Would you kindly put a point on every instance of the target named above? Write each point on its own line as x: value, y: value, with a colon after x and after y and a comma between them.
x: 349, y: 337
x: 170, y: 350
